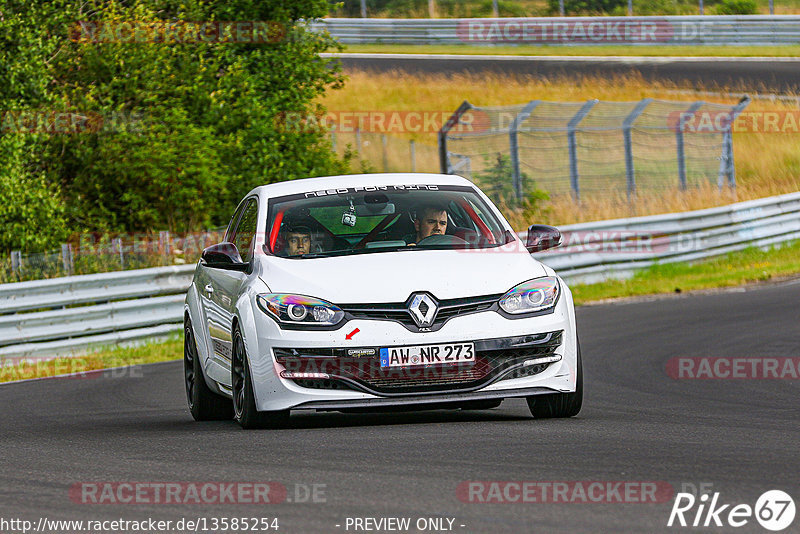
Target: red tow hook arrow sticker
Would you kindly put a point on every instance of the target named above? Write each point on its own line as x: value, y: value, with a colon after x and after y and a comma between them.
x: 351, y: 334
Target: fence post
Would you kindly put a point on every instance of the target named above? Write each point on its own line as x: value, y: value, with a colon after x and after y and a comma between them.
x: 363, y: 9
x: 163, y: 242
x: 727, y: 140
x: 413, y: 148
x: 572, y: 145
x: 444, y: 160
x: 701, y: 7
x: 116, y: 243
x: 16, y: 261
x: 385, y: 153
x: 630, y: 7
x: 513, y: 144
x: 66, y: 258
x: 679, y: 143
x: 561, y: 7
x: 626, y: 133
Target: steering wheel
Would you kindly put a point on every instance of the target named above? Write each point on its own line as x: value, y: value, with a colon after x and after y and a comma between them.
x: 441, y: 239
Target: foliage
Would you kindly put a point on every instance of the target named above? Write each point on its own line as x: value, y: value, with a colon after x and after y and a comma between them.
x: 586, y: 7
x: 496, y: 181
x: 177, y: 132
x: 737, y: 7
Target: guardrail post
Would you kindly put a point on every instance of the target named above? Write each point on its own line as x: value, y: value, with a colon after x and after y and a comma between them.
x: 630, y: 7
x: 679, y: 143
x: 513, y: 143
x: 116, y: 245
x: 66, y: 258
x: 385, y: 153
x: 413, y: 149
x: 444, y: 159
x: 16, y: 261
x: 626, y: 133
x: 572, y: 145
x: 701, y: 7
x: 163, y: 242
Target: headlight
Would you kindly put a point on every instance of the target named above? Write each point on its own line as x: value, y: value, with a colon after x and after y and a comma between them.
x: 290, y: 309
x: 531, y: 296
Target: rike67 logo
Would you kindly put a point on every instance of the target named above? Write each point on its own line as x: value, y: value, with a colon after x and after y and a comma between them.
x: 774, y: 510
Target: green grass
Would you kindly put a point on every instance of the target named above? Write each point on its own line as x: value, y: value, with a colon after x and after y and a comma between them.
x: 108, y: 358
x: 598, y: 50
x: 737, y: 268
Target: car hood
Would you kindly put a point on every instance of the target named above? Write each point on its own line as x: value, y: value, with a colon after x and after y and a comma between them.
x: 393, y: 276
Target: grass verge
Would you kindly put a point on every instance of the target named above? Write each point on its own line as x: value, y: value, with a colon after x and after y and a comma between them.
x: 578, y: 50
x: 109, y: 358
x: 734, y: 269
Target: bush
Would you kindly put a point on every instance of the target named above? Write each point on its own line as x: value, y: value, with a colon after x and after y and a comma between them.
x: 207, y: 126
x: 737, y: 7
x: 587, y: 7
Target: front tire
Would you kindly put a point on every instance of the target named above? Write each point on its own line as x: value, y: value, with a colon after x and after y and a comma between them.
x: 559, y: 405
x: 244, y: 401
x: 204, y: 404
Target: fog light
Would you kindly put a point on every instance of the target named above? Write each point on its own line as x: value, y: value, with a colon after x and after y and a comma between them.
x: 544, y: 359
x: 295, y: 375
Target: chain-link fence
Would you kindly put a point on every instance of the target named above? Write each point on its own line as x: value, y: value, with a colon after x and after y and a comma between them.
x: 98, y: 254
x: 591, y: 148
x: 381, y: 152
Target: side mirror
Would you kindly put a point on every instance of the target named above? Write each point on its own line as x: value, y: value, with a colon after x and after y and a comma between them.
x: 223, y: 256
x: 542, y: 237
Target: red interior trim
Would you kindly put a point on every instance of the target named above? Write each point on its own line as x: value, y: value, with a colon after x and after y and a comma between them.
x: 273, y: 234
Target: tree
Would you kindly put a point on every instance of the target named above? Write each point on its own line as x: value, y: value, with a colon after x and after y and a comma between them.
x: 178, y: 132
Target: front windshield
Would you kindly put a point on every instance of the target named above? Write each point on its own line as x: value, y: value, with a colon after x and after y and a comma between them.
x: 360, y: 220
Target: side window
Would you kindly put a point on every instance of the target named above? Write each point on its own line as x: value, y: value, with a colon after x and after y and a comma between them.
x: 246, y: 230
x: 229, y: 232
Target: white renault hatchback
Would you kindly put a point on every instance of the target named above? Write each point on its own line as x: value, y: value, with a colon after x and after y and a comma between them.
x: 376, y: 292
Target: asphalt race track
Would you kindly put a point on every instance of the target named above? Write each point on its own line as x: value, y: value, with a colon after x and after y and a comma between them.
x: 637, y: 424
x: 765, y: 75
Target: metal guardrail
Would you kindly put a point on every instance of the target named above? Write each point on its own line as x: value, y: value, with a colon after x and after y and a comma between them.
x: 130, y: 306
x: 104, y: 309
x: 667, y: 30
x: 602, y: 250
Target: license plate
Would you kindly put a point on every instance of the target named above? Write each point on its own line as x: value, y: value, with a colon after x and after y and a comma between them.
x: 428, y: 355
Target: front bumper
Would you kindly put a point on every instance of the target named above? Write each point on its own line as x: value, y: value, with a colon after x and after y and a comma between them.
x: 272, y: 392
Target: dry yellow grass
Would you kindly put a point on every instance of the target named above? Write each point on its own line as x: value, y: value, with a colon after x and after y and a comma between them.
x: 766, y: 163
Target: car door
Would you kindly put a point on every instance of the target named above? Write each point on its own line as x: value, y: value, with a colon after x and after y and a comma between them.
x: 222, y: 291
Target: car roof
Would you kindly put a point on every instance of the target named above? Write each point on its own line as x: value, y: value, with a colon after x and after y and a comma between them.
x: 291, y: 187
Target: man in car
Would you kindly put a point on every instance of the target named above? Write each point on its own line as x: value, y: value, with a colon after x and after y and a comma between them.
x: 429, y: 219
x: 297, y: 237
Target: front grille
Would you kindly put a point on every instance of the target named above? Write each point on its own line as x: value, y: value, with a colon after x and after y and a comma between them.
x: 399, y: 311
x: 494, y: 358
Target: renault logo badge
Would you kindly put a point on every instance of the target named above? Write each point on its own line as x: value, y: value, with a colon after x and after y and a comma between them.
x: 423, y: 309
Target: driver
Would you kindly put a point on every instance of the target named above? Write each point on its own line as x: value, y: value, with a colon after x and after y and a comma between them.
x: 429, y: 219
x: 298, y: 238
